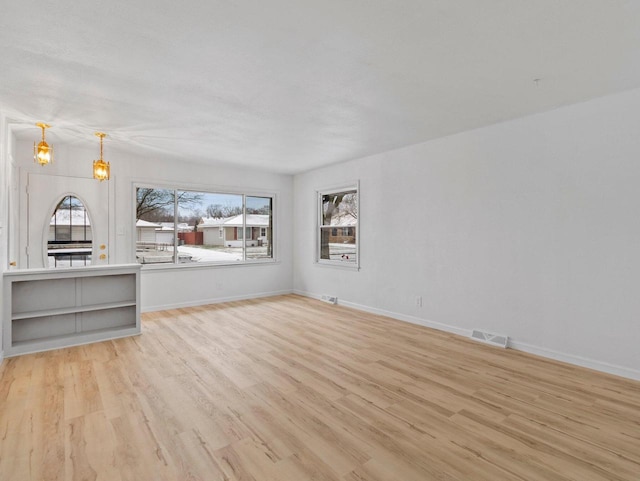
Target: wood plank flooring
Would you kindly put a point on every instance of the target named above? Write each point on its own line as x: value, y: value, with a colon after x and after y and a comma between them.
x: 288, y: 388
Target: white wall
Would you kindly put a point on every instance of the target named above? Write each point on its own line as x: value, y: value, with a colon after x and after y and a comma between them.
x: 529, y: 228
x: 170, y: 287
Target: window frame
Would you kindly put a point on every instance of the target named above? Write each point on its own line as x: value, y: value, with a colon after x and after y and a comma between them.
x: 59, y: 239
x: 347, y: 187
x: 175, y: 264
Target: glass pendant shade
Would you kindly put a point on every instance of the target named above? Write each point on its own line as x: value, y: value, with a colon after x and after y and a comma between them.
x: 42, y: 152
x: 101, y: 169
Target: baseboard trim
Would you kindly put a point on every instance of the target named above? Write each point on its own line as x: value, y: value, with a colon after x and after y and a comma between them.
x: 513, y: 344
x: 213, y: 300
x: 576, y: 360
x: 394, y: 315
x: 1, y: 356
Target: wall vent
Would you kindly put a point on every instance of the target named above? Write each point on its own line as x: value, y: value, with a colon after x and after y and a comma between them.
x: 330, y: 299
x: 489, y: 338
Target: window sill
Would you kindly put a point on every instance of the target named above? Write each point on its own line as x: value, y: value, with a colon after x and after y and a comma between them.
x: 201, y: 265
x: 338, y: 265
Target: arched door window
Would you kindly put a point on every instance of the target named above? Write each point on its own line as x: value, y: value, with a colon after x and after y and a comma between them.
x: 69, y: 239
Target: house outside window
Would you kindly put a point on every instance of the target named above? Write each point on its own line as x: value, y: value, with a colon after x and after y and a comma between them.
x: 337, y: 232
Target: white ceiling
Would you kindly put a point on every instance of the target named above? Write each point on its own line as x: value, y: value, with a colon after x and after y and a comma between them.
x: 288, y: 86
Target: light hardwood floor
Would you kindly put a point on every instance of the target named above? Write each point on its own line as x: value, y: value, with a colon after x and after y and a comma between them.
x: 288, y: 388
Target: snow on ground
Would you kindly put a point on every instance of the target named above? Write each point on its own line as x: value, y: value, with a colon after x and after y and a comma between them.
x: 342, y: 252
x: 208, y: 255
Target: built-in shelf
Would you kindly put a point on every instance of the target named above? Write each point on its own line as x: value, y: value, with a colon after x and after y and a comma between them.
x: 72, y: 310
x: 76, y: 339
x: 53, y: 308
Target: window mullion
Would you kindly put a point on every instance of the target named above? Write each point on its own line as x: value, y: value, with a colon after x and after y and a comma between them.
x: 244, y: 228
x: 175, y: 226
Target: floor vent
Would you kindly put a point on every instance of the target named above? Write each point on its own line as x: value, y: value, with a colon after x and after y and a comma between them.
x: 488, y: 338
x: 330, y: 299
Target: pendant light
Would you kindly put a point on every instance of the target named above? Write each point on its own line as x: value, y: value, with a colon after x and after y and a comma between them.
x: 101, y: 169
x: 42, y: 152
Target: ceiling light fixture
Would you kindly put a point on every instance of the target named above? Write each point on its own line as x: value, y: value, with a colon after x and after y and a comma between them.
x: 101, y: 169
x: 42, y: 152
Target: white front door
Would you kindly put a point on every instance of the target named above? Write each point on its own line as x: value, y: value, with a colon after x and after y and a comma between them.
x: 44, y: 192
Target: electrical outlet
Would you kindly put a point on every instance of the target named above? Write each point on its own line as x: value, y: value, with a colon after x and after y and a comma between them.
x: 419, y: 301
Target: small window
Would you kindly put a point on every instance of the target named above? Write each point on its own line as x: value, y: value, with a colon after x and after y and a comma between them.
x: 69, y: 240
x: 338, y: 227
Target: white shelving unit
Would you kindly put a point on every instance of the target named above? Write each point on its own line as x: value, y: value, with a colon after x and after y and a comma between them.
x: 54, y: 308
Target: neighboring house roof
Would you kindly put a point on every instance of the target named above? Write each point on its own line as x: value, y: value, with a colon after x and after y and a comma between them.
x: 168, y: 226
x: 146, y: 224
x: 78, y: 217
x: 253, y: 220
x: 212, y: 221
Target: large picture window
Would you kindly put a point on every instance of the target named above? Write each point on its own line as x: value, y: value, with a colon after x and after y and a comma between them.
x: 186, y: 227
x: 338, y: 227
